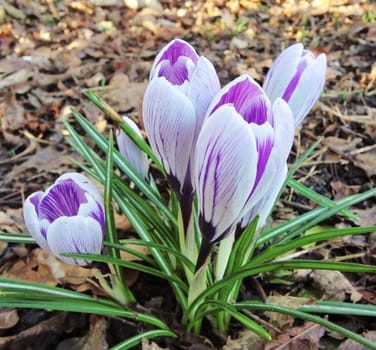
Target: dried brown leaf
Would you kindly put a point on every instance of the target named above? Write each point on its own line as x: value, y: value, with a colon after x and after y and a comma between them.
x: 96, y: 339
x: 367, y: 161
x: 123, y: 95
x: 150, y: 345
x: 367, y: 216
x: 245, y: 341
x: 12, y: 114
x: 42, y: 335
x: 352, y: 345
x: 8, y: 318
x: 45, y: 160
x: 30, y: 270
x: 335, y: 285
x: 3, y: 247
x: 7, y: 224
x: 278, y: 319
x: 306, y: 337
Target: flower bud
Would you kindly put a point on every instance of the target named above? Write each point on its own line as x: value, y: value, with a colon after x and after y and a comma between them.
x: 67, y: 218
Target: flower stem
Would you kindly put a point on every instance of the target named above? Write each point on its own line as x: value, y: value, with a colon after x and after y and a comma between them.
x: 223, y: 255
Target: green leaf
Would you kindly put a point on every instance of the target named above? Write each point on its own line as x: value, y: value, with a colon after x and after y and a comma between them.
x: 252, y: 270
x: 340, y: 308
x: 249, y: 305
x: 135, y: 340
x: 277, y: 250
x: 313, y: 217
x: 16, y: 238
x: 182, y: 259
x: 130, y: 265
x: 345, y: 203
x: 119, y: 160
x: 318, y: 198
x: 241, y: 246
x: 21, y: 294
x: 139, y: 141
x: 228, y: 308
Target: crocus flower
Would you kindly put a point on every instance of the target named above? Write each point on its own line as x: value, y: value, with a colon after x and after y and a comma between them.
x: 297, y: 77
x: 67, y: 218
x: 131, y: 152
x: 243, y: 144
x: 182, y: 85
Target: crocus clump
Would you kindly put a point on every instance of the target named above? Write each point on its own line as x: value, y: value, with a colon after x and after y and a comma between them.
x: 182, y: 85
x: 67, y: 218
x: 242, y: 147
x: 298, y: 77
x: 131, y: 152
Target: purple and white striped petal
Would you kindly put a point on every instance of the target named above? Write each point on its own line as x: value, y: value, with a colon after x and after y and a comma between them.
x: 31, y: 218
x: 283, y: 139
x: 311, y: 84
x: 247, y: 97
x: 225, y: 164
x: 62, y: 199
x: 297, y: 77
x: 175, y: 62
x: 71, y: 199
x: 83, y: 182
x: 170, y: 122
x: 131, y: 152
x: 282, y: 71
x: 75, y: 234
x: 264, y: 206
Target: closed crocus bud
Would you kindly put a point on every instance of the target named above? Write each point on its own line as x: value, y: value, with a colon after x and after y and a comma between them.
x: 298, y: 77
x: 131, y: 152
x: 182, y: 85
x: 67, y: 218
x: 242, y: 145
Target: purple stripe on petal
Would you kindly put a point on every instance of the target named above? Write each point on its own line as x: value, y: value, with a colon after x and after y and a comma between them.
x: 178, y: 49
x: 264, y: 151
x: 249, y: 101
x: 99, y: 216
x: 256, y: 110
x: 295, y: 80
x: 63, y: 199
x: 43, y: 231
x: 176, y: 73
x: 35, y: 201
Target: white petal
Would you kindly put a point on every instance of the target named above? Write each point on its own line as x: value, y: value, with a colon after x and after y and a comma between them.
x: 31, y: 219
x: 170, y: 122
x: 83, y: 182
x: 309, y: 88
x: 284, y: 128
x: 282, y: 71
x: 266, y: 204
x: 75, y: 234
x: 203, y: 86
x: 225, y: 163
x: 131, y: 152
